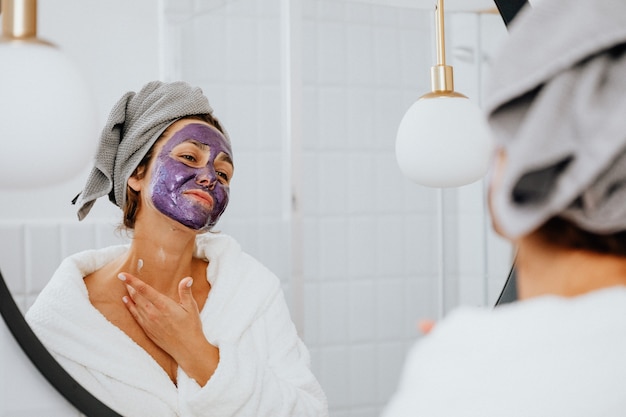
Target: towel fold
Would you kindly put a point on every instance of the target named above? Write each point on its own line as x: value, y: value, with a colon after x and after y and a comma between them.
x: 556, y: 100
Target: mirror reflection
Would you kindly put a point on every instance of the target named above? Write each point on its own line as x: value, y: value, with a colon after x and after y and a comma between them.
x: 180, y: 321
x: 317, y: 197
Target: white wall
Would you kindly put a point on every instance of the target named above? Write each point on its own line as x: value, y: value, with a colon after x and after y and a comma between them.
x: 359, y: 258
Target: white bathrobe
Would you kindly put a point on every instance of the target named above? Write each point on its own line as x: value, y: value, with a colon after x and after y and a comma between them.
x: 545, y: 357
x: 263, y: 369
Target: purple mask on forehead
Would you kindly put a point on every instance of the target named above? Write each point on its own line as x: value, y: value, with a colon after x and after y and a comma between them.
x: 192, y: 195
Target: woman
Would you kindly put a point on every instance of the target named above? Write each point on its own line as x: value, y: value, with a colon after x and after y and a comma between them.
x: 180, y: 322
x: 558, y: 192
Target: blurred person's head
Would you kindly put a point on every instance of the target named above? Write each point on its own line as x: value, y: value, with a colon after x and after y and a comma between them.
x: 557, y: 110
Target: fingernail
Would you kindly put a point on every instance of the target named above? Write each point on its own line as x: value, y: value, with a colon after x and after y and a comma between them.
x: 189, y: 283
x: 125, y: 299
x: 121, y: 277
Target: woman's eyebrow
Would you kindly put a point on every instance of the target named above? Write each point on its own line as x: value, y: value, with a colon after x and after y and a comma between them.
x: 224, y: 157
x: 199, y: 145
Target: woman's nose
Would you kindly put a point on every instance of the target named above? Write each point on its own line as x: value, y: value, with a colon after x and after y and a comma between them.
x: 206, y: 178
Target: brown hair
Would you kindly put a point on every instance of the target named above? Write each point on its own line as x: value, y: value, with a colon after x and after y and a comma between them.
x: 563, y: 233
x: 131, y: 208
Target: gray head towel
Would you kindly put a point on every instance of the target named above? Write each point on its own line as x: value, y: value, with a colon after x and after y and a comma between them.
x: 135, y: 123
x: 556, y: 103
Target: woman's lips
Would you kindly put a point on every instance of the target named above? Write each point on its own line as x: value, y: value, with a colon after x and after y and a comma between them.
x: 202, y: 197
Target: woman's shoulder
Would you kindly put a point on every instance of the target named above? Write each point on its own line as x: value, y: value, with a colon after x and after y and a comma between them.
x: 547, y: 319
x: 477, y: 361
x: 91, y: 260
x: 212, y: 245
x: 67, y: 280
x: 236, y: 277
x: 225, y: 257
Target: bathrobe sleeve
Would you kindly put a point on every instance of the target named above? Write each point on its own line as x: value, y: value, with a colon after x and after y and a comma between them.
x: 264, y: 374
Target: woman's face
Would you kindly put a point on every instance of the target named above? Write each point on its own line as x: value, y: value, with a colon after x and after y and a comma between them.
x: 190, y: 174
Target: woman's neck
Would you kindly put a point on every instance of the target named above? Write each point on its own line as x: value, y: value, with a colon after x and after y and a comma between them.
x: 162, y: 256
x: 544, y: 269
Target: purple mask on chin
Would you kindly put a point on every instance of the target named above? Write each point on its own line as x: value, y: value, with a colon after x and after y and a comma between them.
x: 186, y: 185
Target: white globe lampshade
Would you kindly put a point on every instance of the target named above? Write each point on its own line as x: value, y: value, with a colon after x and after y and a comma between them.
x: 443, y: 141
x: 48, y: 127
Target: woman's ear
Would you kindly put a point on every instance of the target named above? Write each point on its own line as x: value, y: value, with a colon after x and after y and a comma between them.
x: 134, y: 182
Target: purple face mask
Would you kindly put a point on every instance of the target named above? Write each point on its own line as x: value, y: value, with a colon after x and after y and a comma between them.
x: 189, y: 181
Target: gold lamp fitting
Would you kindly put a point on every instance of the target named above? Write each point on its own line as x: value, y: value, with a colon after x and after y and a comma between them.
x: 441, y: 75
x: 19, y: 21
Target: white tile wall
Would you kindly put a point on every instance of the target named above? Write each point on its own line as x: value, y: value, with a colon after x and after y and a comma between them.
x: 370, y: 239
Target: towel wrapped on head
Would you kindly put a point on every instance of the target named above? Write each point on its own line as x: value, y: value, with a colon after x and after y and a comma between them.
x: 559, y: 113
x: 135, y: 123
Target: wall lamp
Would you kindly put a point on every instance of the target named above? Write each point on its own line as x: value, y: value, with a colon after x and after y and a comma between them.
x: 443, y: 139
x: 48, y: 122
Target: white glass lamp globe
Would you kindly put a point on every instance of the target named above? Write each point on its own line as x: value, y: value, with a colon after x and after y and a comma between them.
x: 47, y: 118
x: 443, y: 141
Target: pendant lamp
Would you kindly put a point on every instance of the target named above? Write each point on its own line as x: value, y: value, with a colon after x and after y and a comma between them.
x: 443, y: 139
x: 48, y: 127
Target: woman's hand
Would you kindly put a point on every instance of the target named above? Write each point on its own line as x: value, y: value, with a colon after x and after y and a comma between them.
x: 174, y: 327
x: 425, y: 326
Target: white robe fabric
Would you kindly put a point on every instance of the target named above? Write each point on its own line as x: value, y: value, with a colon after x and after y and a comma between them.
x: 263, y: 369
x: 549, y: 356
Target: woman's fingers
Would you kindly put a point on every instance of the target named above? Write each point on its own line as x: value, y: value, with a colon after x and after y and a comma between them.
x: 425, y: 326
x: 142, y: 300
x: 164, y: 320
x: 140, y: 291
x: 132, y: 307
x: 186, y: 294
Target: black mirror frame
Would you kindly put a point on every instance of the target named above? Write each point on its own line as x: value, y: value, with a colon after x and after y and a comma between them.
x: 509, y: 291
x: 82, y: 399
x: 509, y: 9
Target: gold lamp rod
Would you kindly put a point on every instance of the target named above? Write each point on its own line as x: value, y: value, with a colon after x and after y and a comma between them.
x: 441, y: 76
x: 440, y: 31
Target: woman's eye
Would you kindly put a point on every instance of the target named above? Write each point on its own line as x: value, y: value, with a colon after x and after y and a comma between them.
x: 189, y: 158
x: 222, y: 175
